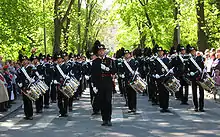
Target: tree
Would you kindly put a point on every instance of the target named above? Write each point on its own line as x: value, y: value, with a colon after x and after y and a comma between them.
x: 59, y: 19
x: 202, y: 38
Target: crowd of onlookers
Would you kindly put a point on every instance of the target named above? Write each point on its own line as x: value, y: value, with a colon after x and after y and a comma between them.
x: 212, y: 65
x: 8, y: 88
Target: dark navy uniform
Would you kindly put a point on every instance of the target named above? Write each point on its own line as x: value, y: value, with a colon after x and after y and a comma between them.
x: 152, y: 86
x: 62, y: 99
x: 121, y: 78
x: 77, y: 71
x: 39, y: 101
x: 102, y: 80
x: 48, y: 77
x: 131, y: 93
x: 160, y: 72
x: 195, y: 75
x: 23, y: 83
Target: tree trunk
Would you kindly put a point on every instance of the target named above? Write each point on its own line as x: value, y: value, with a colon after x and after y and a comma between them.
x: 149, y: 24
x: 176, y: 33
x: 58, y: 23
x: 87, y: 25
x: 202, y: 38
x: 57, y: 28
x: 65, y: 34
x: 79, y: 27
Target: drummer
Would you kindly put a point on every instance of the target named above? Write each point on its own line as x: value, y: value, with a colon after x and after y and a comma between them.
x: 160, y: 70
x: 131, y: 93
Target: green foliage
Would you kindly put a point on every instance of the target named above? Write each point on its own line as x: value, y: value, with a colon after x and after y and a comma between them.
x: 133, y: 15
x: 212, y: 14
x: 18, y: 21
x: 131, y: 12
x: 130, y: 21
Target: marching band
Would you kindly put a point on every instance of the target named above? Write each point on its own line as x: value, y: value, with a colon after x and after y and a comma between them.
x: 152, y: 72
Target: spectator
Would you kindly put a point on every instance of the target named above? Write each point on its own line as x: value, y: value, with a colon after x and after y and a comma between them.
x: 3, y: 94
x: 1, y: 62
x: 8, y: 78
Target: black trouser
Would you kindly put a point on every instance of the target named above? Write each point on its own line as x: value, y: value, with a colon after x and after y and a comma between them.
x: 120, y: 85
x: 39, y: 103
x: 78, y: 91
x: 201, y: 95
x: 47, y: 95
x: 28, y: 108
x: 53, y: 92
x: 105, y: 92
x: 62, y: 102
x: 123, y: 90
x: 132, y: 97
x: 94, y: 99
x: 184, y: 95
x: 163, y: 95
x: 152, y: 90
x: 81, y: 87
x: 71, y: 103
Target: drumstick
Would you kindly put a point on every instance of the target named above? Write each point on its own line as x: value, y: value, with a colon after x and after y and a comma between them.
x: 169, y: 71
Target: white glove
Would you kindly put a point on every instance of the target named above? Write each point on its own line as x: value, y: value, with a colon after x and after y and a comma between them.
x: 136, y: 73
x: 122, y: 76
x: 95, y: 90
x: 103, y: 67
x: 20, y: 85
x: 86, y: 77
x: 171, y: 71
x: 40, y: 77
x: 55, y: 82
x: 192, y: 73
x: 67, y: 77
x: 157, y: 76
x: 32, y: 80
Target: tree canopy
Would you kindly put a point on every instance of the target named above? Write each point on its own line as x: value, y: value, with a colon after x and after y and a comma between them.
x: 74, y: 25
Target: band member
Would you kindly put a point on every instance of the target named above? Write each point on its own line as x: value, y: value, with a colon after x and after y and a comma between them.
x: 77, y: 72
x: 131, y: 93
x: 153, y: 89
x: 23, y: 83
x: 48, y: 77
x: 66, y: 67
x: 179, y: 65
x: 37, y: 67
x: 53, y: 90
x: 59, y: 80
x: 94, y: 96
x: 196, y: 66
x: 121, y: 74
x: 102, y: 70
x: 160, y: 70
x: 180, y: 71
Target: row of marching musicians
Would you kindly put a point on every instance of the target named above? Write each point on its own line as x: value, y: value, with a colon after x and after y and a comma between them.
x: 160, y: 74
x: 44, y: 78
